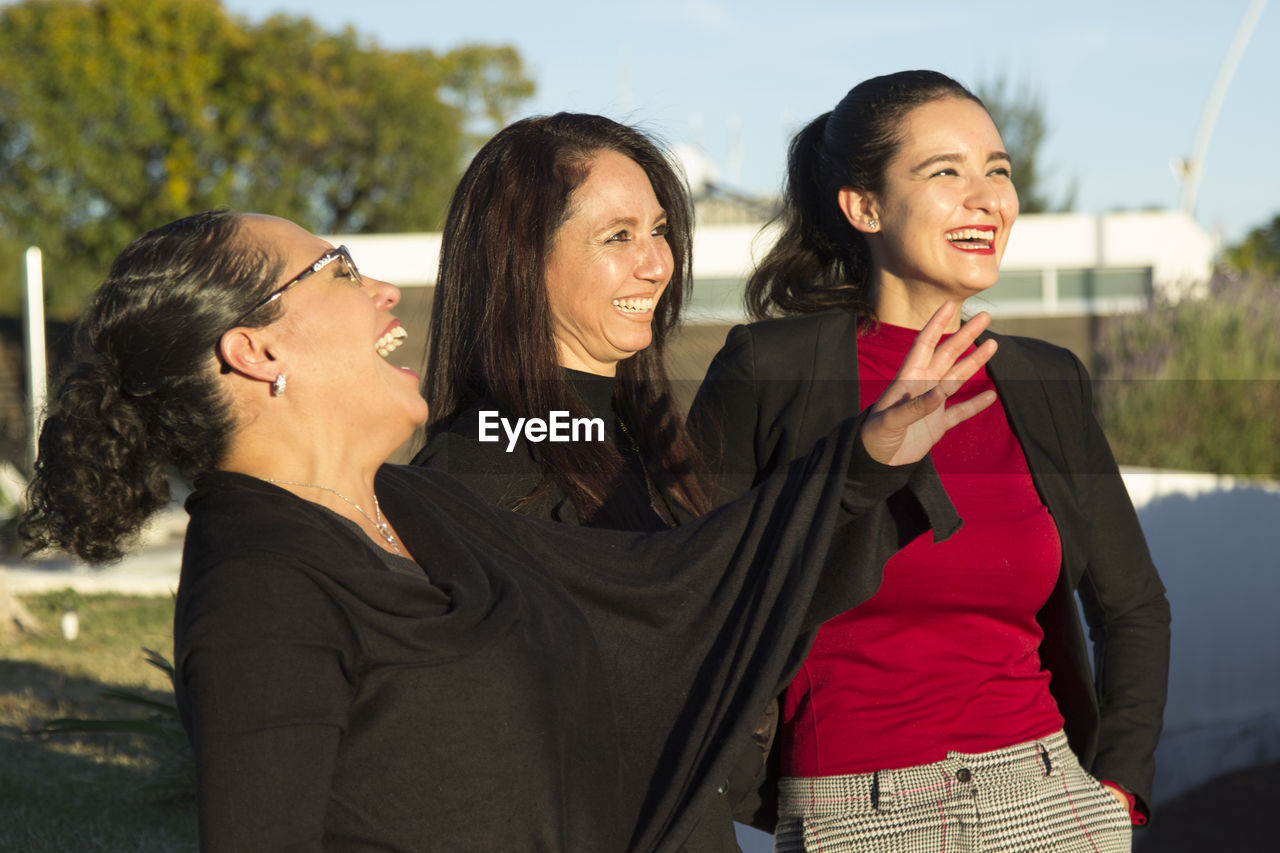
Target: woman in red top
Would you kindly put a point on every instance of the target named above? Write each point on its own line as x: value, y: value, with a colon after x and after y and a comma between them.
x: 956, y: 710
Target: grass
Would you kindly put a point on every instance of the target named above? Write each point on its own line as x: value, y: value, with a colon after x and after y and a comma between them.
x: 87, y: 792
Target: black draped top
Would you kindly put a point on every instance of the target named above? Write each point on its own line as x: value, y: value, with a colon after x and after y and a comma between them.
x: 538, y: 686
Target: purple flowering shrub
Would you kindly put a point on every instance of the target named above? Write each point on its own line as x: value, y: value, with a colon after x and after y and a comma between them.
x: 1195, y: 385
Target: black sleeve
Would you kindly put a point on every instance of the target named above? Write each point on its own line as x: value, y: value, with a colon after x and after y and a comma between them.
x: 724, y: 417
x: 261, y: 684
x: 1128, y: 614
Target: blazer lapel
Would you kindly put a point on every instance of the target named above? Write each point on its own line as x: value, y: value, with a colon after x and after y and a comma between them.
x: 1030, y: 407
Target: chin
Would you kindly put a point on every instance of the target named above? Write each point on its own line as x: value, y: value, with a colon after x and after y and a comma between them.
x: 418, y: 414
x: 627, y: 348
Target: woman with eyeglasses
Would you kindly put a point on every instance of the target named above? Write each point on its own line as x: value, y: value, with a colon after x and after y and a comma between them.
x: 956, y: 710
x: 369, y: 657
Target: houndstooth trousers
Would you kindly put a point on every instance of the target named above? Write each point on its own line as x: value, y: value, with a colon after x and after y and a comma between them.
x: 1033, y: 797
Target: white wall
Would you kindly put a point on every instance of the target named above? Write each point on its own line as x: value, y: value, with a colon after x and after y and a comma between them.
x: 1214, y: 541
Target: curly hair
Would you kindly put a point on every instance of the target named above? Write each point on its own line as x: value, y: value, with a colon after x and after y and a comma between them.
x: 141, y: 395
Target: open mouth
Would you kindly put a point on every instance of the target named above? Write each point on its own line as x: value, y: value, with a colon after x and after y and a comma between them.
x: 981, y: 240
x: 638, y: 305
x: 390, y: 340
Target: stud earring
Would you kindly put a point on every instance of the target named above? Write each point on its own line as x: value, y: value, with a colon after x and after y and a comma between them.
x: 873, y: 224
x: 277, y: 385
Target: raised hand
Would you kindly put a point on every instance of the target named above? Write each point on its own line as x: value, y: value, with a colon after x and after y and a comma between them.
x: 910, y: 417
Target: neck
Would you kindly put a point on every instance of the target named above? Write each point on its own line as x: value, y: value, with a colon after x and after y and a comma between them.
x: 900, y: 303
x: 574, y: 359
x: 345, y: 490
x: 349, y: 470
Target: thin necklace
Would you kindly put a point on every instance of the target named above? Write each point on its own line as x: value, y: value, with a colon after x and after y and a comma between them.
x: 379, y: 524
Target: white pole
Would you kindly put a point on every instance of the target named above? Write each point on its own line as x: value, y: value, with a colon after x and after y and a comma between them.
x: 37, y: 369
x: 1193, y: 168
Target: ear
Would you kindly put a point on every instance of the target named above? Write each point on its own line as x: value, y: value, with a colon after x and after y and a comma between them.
x: 248, y: 351
x: 860, y: 209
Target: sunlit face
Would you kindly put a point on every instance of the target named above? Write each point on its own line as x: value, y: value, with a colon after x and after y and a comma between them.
x: 609, y: 265
x: 336, y: 331
x: 948, y: 203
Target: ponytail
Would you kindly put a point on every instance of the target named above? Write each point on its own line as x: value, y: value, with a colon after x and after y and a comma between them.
x: 142, y: 397
x: 97, y: 480
x: 820, y: 261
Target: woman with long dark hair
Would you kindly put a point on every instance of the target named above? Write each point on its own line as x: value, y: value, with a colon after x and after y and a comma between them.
x: 564, y: 264
x: 563, y: 268
x: 366, y: 655
x: 956, y: 709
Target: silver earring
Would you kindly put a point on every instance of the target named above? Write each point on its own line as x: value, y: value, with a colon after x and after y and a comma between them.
x: 277, y: 385
x: 873, y: 224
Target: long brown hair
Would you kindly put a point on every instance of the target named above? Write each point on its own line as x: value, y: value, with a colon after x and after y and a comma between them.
x: 491, y: 328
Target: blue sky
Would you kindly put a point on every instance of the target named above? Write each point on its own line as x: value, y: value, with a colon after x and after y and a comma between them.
x: 1124, y: 83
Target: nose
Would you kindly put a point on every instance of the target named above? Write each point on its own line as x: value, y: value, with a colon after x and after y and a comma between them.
x: 384, y: 295
x: 655, y: 262
x: 983, y: 195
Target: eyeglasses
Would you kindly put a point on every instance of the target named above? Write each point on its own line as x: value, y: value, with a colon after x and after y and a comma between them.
x: 340, y: 254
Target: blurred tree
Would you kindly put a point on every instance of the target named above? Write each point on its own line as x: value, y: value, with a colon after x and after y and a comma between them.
x: 1259, y: 252
x: 1196, y: 385
x: 487, y: 83
x: 119, y: 115
x: 1021, y: 120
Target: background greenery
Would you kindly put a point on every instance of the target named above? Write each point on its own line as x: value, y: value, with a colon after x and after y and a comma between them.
x: 120, y: 115
x: 87, y: 792
x: 1195, y: 385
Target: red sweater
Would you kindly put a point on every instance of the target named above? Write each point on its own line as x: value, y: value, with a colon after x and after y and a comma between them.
x: 945, y: 656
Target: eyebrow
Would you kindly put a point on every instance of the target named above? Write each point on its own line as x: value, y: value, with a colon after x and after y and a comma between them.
x: 954, y: 158
x: 631, y: 221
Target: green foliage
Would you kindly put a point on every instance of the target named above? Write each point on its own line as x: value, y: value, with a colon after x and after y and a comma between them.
x: 1021, y: 120
x: 159, y: 725
x: 1196, y: 385
x: 88, y: 792
x: 120, y: 115
x: 487, y: 83
x: 1259, y: 252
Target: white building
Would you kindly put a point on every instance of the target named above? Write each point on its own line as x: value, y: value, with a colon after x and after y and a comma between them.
x: 1056, y: 264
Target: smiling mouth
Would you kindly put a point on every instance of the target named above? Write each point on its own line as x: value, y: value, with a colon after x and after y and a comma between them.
x: 390, y: 341
x: 981, y: 240
x: 639, y: 305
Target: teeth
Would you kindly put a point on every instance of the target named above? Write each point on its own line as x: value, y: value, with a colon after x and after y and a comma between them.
x: 981, y: 235
x: 634, y: 306
x: 390, y: 341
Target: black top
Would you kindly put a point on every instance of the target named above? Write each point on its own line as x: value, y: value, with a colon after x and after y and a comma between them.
x: 514, y: 479
x: 778, y: 385
x: 538, y: 687
x: 508, y: 478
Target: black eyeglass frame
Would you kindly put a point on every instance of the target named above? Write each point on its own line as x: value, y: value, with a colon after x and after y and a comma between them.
x: 331, y: 255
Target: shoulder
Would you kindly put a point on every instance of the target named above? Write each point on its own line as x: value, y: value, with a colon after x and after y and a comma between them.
x: 1019, y: 355
x: 781, y: 346
x: 234, y: 513
x: 257, y: 558
x: 499, y: 470
x: 475, y: 442
x: 800, y: 329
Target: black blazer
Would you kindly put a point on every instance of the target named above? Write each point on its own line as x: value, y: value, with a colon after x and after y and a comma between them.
x: 778, y: 385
